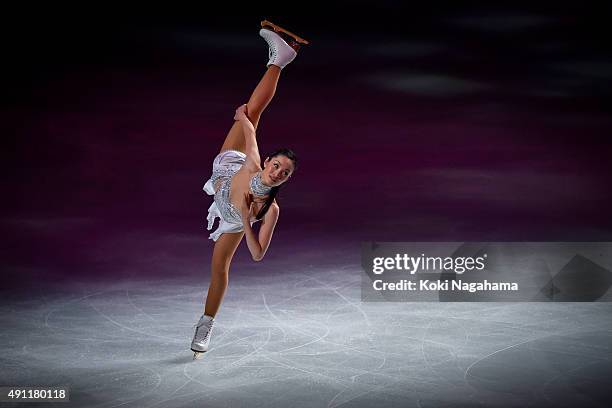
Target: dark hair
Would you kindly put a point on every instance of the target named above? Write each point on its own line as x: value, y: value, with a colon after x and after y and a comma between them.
x: 288, y: 153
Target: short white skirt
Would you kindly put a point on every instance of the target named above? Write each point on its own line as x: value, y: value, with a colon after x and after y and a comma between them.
x: 225, y: 164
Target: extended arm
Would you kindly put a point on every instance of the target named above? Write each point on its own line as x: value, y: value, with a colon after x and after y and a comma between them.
x: 253, y: 159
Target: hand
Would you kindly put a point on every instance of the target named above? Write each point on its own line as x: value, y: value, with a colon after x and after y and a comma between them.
x: 247, y: 207
x: 241, y: 112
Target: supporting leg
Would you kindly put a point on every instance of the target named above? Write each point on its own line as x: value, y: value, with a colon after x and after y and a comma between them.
x: 260, y: 98
x: 224, y: 250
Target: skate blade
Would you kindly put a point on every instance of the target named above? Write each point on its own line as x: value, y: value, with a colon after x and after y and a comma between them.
x: 296, y: 37
x: 197, y: 354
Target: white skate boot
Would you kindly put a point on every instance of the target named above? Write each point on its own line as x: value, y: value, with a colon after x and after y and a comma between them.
x: 201, y: 338
x: 280, y: 52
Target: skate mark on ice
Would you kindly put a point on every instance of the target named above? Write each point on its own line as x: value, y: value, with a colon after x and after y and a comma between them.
x: 145, y: 395
x: 276, y: 319
x: 319, y: 338
x: 127, y: 294
x: 562, y: 333
x: 246, y: 355
x: 116, y: 323
x: 66, y: 304
x: 341, y: 296
x: 448, y: 348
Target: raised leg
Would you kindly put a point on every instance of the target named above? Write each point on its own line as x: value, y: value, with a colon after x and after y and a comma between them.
x: 224, y: 250
x: 260, y: 98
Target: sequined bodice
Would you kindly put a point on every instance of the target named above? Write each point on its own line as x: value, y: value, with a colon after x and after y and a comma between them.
x: 228, y: 211
x: 222, y: 197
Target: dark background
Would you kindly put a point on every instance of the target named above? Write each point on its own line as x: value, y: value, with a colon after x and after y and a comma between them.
x: 412, y: 122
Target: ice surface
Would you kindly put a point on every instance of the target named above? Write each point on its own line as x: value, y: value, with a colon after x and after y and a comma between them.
x: 302, y: 338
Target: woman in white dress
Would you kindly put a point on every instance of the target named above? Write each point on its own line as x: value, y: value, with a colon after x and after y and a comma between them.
x: 244, y: 190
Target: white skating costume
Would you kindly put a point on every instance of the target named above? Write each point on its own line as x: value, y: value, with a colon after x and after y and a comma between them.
x: 225, y: 165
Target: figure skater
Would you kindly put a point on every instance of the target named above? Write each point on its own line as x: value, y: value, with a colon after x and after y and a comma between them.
x: 244, y: 192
